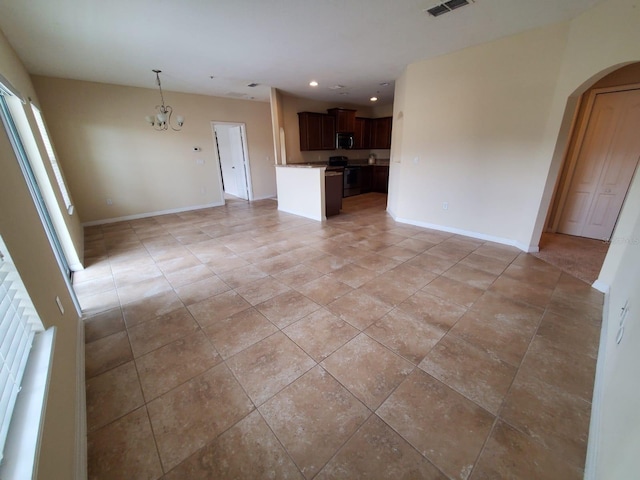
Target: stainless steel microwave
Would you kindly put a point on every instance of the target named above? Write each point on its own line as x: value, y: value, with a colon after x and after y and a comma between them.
x: 344, y: 140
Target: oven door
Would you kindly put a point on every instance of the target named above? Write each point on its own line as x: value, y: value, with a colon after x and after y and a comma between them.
x: 352, y: 181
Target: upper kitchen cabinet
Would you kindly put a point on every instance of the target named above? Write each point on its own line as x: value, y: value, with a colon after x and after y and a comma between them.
x: 380, y: 133
x: 317, y: 131
x: 345, y: 119
x: 362, y: 133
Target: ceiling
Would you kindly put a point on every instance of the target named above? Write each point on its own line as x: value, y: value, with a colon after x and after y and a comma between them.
x: 218, y: 47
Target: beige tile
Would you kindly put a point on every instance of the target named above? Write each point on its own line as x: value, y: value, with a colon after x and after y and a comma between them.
x: 440, y: 423
x: 470, y: 276
x: 324, y: 290
x: 377, y: 263
x: 151, y: 307
x: 359, y: 309
x: 433, y: 310
x: 124, y: 449
x: 178, y: 263
x: 491, y: 265
x: 367, y: 369
x: 501, y: 252
x: 408, y: 336
x: 103, y: 324
x: 278, y: 263
x: 320, y: 333
x: 511, y: 454
x: 566, y: 370
x: 175, y: 363
x: 112, y: 395
x: 547, y: 278
x: 558, y: 420
x: 572, y: 334
x: 453, y: 291
x: 416, y: 245
x: 352, y: 275
x: 160, y: 331
x: 247, y: 450
x: 192, y: 415
x: 269, y: 366
x: 432, y: 263
x: 262, y: 290
x: 107, y: 353
x: 524, y: 292
x: 239, y: 331
x: 241, y: 276
x: 312, y: 418
x: 135, y: 274
x: 100, y: 302
x: 222, y: 264
x: 500, y: 326
x: 147, y: 288
x: 471, y: 371
x: 298, y: 275
x: 94, y: 285
x: 327, y: 263
x: 376, y: 451
x: 286, y: 308
x: 201, y: 290
x: 189, y: 275
x: 218, y: 307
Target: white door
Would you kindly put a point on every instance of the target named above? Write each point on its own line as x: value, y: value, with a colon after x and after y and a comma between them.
x: 233, y: 164
x: 606, y: 162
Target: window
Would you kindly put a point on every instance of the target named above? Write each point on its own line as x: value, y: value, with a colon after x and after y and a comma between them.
x: 19, y: 322
x: 52, y: 158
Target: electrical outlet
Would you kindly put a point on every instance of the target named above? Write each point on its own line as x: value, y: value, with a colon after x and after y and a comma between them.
x: 109, y: 202
x: 445, y: 205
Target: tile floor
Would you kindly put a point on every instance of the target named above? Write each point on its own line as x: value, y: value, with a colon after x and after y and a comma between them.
x: 240, y: 342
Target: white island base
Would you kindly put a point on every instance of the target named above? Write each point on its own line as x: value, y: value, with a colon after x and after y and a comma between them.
x: 301, y: 190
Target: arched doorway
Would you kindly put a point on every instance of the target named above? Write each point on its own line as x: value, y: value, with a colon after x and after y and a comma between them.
x: 595, y: 175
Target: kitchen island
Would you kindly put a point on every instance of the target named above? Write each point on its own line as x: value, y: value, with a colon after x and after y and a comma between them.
x: 302, y: 190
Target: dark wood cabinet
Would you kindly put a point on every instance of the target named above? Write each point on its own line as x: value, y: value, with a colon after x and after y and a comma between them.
x: 362, y: 133
x: 345, y: 119
x: 366, y: 178
x: 381, y: 178
x: 317, y: 131
x: 381, y: 133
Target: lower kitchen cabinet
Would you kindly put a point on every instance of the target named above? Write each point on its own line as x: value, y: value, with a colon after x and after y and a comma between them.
x: 381, y: 178
x: 333, y: 184
x: 366, y: 178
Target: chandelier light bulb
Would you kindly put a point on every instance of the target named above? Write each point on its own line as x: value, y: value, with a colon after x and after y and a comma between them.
x: 162, y: 119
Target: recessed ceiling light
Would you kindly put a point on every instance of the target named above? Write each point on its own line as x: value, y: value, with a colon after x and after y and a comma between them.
x: 313, y: 83
x: 374, y: 99
x: 337, y: 87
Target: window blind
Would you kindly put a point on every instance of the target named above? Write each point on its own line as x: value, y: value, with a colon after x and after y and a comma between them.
x: 19, y: 323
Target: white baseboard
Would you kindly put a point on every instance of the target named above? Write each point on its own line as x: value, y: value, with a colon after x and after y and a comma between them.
x: 601, y: 286
x: 466, y: 233
x: 81, y: 410
x: 150, y: 214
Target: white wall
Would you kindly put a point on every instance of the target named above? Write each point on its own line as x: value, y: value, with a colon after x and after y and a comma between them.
x: 301, y: 191
x: 107, y: 150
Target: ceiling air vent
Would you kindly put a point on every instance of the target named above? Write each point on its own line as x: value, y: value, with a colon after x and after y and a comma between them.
x: 252, y: 85
x: 446, y: 7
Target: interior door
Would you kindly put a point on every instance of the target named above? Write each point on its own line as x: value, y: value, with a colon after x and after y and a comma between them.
x: 606, y: 162
x: 238, y: 160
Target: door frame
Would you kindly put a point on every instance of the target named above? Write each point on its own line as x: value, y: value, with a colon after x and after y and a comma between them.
x: 245, y: 149
x: 572, y: 162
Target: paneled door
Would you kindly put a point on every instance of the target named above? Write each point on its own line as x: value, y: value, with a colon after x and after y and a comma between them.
x: 605, y: 165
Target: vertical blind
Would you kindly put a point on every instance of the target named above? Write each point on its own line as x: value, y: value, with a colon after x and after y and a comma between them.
x: 19, y: 323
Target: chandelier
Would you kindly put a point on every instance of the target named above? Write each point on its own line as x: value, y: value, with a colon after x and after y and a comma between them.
x: 162, y: 119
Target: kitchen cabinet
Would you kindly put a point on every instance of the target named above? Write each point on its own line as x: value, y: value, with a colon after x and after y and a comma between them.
x: 362, y: 133
x: 333, y: 182
x: 366, y: 178
x: 317, y: 131
x: 380, y: 133
x: 381, y: 178
x: 345, y: 119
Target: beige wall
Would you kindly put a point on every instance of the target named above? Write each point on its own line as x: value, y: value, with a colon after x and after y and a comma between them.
x: 290, y: 106
x: 107, y: 150
x: 472, y: 136
x: 23, y: 234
